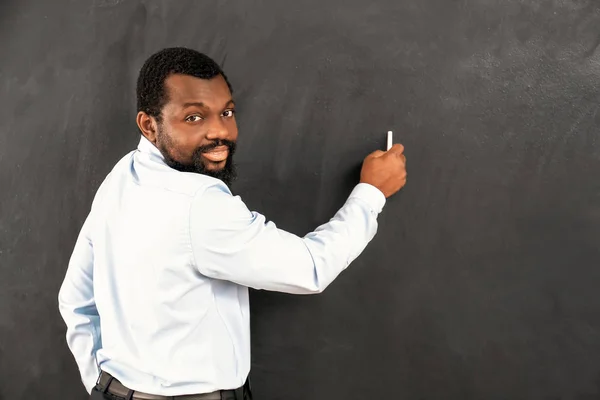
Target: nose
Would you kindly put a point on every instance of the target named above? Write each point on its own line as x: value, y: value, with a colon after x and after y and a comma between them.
x: 217, y: 129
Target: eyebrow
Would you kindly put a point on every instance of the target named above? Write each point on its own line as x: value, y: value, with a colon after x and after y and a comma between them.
x: 202, y: 105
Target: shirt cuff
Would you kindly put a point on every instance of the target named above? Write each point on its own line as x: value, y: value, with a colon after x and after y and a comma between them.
x: 369, y: 194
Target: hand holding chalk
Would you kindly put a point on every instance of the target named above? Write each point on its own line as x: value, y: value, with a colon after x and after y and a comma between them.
x: 385, y: 170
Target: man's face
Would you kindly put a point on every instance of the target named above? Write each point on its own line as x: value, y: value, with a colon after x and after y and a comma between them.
x: 198, y: 132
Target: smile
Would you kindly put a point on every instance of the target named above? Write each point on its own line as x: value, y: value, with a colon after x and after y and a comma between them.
x: 218, y: 154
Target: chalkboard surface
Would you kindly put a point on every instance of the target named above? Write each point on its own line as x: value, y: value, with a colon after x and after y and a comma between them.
x: 483, y: 281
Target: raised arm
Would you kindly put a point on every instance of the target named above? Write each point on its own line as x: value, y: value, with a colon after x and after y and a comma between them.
x: 232, y: 243
x: 238, y: 245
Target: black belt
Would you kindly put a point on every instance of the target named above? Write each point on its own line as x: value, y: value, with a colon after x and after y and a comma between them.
x: 109, y: 384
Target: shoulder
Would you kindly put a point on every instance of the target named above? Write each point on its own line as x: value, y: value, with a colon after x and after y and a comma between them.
x: 213, y: 193
x: 214, y: 203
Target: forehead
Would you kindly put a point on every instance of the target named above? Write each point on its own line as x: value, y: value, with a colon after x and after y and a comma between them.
x: 181, y: 89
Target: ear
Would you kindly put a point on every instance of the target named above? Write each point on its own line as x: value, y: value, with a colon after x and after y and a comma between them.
x: 147, y: 125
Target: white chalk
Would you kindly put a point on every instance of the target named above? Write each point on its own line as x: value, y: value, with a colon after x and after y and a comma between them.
x: 389, y: 141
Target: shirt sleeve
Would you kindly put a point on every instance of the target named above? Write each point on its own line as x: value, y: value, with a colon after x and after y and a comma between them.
x: 232, y: 243
x: 78, y: 308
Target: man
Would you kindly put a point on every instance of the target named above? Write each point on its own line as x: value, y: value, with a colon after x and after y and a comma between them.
x: 155, y: 297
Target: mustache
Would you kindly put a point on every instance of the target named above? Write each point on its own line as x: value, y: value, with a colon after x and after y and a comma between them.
x: 217, y: 143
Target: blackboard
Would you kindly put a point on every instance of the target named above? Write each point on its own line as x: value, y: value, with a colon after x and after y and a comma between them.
x: 483, y: 280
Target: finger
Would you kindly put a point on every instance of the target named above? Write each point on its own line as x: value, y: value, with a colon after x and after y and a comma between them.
x: 397, y: 149
x: 376, y: 153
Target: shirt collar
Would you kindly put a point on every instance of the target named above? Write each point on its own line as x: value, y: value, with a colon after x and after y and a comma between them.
x: 147, y: 147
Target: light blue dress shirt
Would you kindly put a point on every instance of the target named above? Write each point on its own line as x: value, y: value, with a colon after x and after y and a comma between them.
x: 156, y: 290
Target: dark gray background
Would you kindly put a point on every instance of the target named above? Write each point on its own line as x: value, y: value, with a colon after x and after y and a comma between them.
x: 483, y: 281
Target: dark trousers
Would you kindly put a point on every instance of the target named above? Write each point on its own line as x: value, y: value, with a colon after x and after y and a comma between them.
x: 241, y: 394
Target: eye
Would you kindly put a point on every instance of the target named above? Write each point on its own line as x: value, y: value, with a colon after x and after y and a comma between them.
x: 228, y: 113
x: 193, y: 118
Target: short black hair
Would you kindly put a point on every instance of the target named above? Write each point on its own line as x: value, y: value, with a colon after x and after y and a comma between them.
x: 151, y: 95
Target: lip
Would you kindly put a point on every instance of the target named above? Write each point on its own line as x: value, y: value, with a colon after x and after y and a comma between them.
x: 218, y: 154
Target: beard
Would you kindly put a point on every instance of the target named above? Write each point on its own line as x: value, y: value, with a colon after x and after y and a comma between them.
x: 227, y: 174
